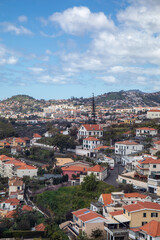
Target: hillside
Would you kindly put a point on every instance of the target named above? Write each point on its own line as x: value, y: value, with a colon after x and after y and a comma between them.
x: 131, y: 98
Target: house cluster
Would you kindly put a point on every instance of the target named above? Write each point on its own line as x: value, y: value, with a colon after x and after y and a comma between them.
x: 10, y: 167
x: 15, y: 200
x: 118, y: 215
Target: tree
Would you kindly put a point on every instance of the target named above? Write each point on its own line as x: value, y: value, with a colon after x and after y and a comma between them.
x: 97, y: 233
x: 82, y: 236
x: 89, y: 183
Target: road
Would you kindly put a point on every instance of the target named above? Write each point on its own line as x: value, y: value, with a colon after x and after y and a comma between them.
x: 118, y: 169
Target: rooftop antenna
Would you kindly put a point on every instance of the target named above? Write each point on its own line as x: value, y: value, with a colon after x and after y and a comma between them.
x: 93, y: 115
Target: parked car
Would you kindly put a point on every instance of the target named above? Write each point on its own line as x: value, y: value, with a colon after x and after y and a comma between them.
x: 157, y: 200
x: 142, y: 189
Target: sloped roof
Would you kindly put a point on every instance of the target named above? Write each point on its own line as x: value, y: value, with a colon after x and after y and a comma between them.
x: 152, y: 228
x: 36, y: 135
x: 127, y: 143
x: 27, y: 208
x: 40, y: 227
x: 74, y: 168
x: 107, y: 198
x: 142, y: 205
x: 91, y: 139
x: 134, y: 195
x: 116, y: 213
x: 10, y: 214
x: 93, y: 127
x: 96, y: 168
x: 146, y: 128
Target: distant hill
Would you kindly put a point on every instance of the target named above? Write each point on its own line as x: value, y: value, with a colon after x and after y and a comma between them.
x: 130, y: 98
x: 121, y: 99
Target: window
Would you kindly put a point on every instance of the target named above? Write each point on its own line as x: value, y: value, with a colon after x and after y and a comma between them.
x: 90, y: 133
x: 154, y: 165
x: 124, y: 211
x: 144, y: 214
x: 150, y: 238
x: 143, y: 223
x: 154, y: 214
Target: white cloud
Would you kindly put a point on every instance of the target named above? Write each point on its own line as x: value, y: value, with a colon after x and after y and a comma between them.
x: 108, y: 79
x: 78, y: 20
x: 36, y: 70
x: 7, y: 57
x: 9, y: 27
x: 50, y: 36
x: 22, y: 18
x: 143, y: 14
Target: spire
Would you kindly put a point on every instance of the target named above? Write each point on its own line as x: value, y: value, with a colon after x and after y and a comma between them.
x: 93, y: 115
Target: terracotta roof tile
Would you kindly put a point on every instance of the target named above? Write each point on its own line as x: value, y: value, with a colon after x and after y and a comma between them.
x: 96, y: 168
x: 40, y: 227
x: 152, y: 228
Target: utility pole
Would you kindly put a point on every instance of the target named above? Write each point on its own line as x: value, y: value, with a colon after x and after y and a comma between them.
x: 93, y: 115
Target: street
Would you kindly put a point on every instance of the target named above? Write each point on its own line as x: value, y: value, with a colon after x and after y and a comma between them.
x: 118, y: 169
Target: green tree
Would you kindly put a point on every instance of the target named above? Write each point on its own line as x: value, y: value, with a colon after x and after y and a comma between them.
x: 89, y: 183
x: 97, y: 233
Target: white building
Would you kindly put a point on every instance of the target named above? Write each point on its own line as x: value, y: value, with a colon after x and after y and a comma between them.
x: 91, y: 143
x: 151, y: 114
x: 9, y: 204
x: 16, y: 188
x: 99, y: 171
x: 146, y: 131
x: 11, y: 167
x: 90, y: 130
x: 127, y: 147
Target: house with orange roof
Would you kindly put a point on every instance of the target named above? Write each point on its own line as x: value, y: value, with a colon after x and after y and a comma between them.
x: 155, y: 148
x: 40, y: 227
x: 153, y: 113
x: 16, y: 188
x: 10, y: 167
x: 91, y: 143
x: 74, y: 170
x: 90, y: 130
x: 128, y: 147
x: 99, y: 171
x: 27, y: 208
x: 146, y: 131
x: 9, y: 204
x: 150, y: 231
x: 86, y: 221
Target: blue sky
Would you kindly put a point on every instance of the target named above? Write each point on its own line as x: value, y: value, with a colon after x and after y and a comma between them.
x: 53, y: 49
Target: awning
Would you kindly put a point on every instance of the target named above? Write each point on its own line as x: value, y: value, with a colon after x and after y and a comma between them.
x: 121, y: 218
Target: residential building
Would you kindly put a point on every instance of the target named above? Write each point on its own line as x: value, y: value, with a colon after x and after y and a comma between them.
x: 74, y: 170
x: 127, y: 147
x: 9, y: 204
x: 146, y: 131
x: 151, y: 114
x: 11, y: 167
x: 99, y: 171
x: 91, y: 143
x: 90, y: 130
x: 16, y: 188
x: 87, y: 221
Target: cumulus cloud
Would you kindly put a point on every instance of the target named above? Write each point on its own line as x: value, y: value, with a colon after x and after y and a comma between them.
x: 7, y: 57
x: 22, y: 18
x: 36, y: 70
x: 78, y: 20
x: 108, y: 79
x: 10, y: 27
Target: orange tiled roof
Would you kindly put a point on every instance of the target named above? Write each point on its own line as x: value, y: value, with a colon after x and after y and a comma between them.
x: 158, y: 142
x: 116, y: 213
x: 154, y: 110
x: 92, y: 127
x: 96, y: 168
x: 134, y: 195
x: 80, y: 212
x: 107, y: 198
x: 127, y: 143
x: 146, y: 128
x: 10, y: 214
x: 142, y: 205
x: 12, y: 201
x: 92, y: 139
x: 26, y: 167
x: 36, y: 135
x: 152, y: 228
x: 27, y: 208
x: 74, y: 168
x: 40, y: 227
x: 89, y: 216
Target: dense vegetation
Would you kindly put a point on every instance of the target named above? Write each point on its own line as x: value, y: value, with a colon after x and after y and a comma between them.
x: 59, y: 140
x: 67, y: 199
x: 6, y: 129
x: 41, y: 155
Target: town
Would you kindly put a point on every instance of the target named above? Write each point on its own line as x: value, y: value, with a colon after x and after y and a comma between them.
x: 74, y: 171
